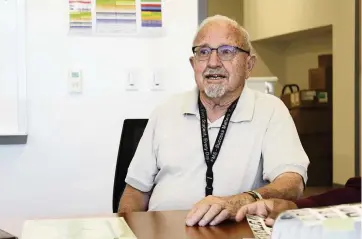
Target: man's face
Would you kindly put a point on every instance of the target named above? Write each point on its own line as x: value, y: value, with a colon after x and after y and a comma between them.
x: 216, y: 76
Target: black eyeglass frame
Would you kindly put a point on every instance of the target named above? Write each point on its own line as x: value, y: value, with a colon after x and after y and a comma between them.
x: 216, y: 48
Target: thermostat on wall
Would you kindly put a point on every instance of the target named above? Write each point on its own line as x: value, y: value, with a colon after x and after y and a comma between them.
x: 75, y: 81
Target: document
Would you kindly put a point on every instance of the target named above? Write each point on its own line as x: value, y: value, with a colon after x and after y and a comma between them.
x: 80, y: 16
x: 116, y: 16
x: 80, y: 228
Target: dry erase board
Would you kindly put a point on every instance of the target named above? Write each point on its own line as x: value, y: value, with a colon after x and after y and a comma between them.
x: 13, y: 121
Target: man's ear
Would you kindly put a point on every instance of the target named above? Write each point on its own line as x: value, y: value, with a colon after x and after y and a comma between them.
x: 251, y: 62
x: 192, y: 61
x: 250, y: 65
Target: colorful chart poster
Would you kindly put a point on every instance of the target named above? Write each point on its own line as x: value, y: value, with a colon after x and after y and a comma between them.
x: 151, y: 13
x: 80, y: 13
x: 116, y: 16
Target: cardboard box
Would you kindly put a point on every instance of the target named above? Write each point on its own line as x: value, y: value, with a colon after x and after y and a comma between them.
x: 321, y: 79
x: 325, y: 60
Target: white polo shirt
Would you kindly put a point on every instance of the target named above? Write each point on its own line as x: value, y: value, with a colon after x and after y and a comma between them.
x: 261, y: 143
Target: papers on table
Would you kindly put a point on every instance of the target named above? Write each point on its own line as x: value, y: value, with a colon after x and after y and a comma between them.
x: 341, y: 221
x: 80, y: 228
x: 335, y: 222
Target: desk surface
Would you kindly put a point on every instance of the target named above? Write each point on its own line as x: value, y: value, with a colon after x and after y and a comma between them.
x: 171, y: 224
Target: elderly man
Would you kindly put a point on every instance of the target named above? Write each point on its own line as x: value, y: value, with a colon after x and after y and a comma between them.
x: 220, y: 146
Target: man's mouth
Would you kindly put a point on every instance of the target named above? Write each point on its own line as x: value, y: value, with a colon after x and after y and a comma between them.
x: 215, y: 76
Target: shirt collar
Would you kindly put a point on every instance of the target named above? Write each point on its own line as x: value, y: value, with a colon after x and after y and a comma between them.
x: 244, y: 110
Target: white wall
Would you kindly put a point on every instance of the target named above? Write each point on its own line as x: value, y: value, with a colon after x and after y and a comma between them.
x: 67, y: 166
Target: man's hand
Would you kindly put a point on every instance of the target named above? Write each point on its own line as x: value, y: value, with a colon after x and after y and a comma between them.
x: 268, y: 209
x: 213, y: 210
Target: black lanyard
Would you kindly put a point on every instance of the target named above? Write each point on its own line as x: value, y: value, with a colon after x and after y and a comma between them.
x: 218, y: 142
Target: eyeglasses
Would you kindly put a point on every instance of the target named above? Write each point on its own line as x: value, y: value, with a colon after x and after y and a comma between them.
x: 224, y: 52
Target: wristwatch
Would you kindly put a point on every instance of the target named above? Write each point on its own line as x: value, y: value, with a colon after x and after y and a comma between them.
x: 255, y: 195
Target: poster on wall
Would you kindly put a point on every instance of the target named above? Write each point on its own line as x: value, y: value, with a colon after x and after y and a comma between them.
x: 136, y: 18
x: 151, y: 18
x: 80, y: 16
x: 116, y: 16
x: 151, y: 13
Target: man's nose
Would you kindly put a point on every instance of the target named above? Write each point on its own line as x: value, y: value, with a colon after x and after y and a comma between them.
x: 214, y: 60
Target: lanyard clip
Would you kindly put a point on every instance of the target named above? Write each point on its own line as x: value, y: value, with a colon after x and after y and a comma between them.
x: 209, y: 181
x: 208, y: 190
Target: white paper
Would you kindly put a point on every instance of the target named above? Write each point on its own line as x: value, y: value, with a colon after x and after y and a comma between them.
x: 258, y: 227
x: 333, y: 222
x: 80, y: 228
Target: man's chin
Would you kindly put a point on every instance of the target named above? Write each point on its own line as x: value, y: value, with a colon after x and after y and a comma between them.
x: 215, y: 91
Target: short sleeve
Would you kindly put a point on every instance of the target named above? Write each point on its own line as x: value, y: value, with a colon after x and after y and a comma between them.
x: 143, y: 168
x: 282, y: 149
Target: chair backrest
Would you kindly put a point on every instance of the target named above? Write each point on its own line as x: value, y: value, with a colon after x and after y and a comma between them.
x: 132, y: 132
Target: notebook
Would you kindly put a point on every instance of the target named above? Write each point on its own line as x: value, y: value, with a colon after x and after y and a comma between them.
x: 79, y: 228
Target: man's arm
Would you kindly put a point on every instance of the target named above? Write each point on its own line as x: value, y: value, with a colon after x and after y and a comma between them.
x: 133, y: 200
x: 213, y: 210
x: 285, y: 165
x: 141, y: 172
x: 288, y: 186
x: 271, y: 208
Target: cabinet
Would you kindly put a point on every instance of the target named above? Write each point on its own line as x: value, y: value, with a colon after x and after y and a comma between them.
x: 313, y: 118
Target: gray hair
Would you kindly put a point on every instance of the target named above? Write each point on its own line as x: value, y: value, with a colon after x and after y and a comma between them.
x: 219, y: 18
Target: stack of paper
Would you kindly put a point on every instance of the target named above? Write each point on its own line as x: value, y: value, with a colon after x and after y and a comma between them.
x: 87, y: 228
x: 336, y: 222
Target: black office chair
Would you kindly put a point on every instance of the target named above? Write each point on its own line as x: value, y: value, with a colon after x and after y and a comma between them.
x: 132, y: 132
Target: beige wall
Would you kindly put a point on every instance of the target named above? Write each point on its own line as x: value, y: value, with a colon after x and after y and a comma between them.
x: 290, y: 60
x: 265, y: 19
x: 301, y: 55
x: 360, y: 77
x: 343, y: 74
x: 270, y: 62
x: 230, y: 8
x: 296, y: 15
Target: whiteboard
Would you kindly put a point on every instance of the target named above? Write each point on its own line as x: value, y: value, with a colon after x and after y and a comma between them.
x: 13, y: 120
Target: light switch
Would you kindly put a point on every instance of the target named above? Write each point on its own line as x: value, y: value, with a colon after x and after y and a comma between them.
x: 132, y: 81
x: 75, y: 84
x: 157, y: 81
